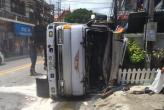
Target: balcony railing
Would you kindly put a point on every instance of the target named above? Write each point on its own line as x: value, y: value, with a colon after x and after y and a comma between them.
x: 14, y: 16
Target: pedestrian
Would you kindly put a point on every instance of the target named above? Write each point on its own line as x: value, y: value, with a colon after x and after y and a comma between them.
x: 33, y: 55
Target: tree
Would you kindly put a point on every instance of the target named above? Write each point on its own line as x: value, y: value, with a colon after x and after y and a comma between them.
x: 78, y: 16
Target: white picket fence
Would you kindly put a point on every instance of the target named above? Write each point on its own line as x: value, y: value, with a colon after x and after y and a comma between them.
x: 133, y: 76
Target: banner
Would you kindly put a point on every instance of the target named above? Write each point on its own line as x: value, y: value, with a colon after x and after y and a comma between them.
x: 23, y: 30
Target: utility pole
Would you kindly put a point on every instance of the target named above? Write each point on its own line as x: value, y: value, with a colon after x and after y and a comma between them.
x: 53, y: 13
x: 151, y: 10
x: 115, y: 12
x: 59, y: 7
x: 150, y: 32
x: 52, y: 10
x: 43, y: 10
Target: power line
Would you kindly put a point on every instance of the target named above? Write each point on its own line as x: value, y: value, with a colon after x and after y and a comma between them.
x: 58, y: 7
x: 88, y: 2
x: 99, y: 8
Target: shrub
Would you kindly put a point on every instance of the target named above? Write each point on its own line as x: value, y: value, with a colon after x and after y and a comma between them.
x: 134, y: 56
x: 136, y: 53
x: 157, y: 58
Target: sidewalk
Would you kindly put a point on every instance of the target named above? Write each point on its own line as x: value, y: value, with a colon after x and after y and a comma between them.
x: 16, y: 58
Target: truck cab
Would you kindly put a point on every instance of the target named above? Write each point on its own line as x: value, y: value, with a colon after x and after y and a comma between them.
x: 75, y: 55
x: 79, y: 58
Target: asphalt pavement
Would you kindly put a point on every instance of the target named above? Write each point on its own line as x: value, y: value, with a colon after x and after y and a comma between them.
x: 18, y: 90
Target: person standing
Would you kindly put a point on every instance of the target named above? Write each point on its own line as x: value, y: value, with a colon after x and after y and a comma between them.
x: 33, y: 55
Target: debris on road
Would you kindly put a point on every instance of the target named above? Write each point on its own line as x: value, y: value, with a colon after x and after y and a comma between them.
x: 29, y: 98
x: 124, y: 100
x: 110, y: 90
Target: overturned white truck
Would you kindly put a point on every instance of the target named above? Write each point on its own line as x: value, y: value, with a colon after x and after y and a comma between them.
x: 79, y: 59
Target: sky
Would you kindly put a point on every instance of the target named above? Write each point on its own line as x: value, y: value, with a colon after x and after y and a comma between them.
x: 99, y: 6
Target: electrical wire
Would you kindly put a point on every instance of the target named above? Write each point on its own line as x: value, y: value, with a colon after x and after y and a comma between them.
x: 8, y: 6
x: 100, y: 8
x: 88, y: 2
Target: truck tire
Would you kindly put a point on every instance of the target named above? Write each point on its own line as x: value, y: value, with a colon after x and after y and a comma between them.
x: 42, y: 88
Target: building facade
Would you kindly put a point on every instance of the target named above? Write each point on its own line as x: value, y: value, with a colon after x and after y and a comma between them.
x: 61, y: 17
x: 17, y: 19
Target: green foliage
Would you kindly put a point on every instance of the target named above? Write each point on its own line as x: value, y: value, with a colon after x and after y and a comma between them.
x: 78, y: 16
x: 159, y: 53
x: 158, y: 58
x: 136, y: 54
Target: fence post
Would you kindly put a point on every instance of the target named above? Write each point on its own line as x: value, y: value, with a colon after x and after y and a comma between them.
x: 138, y: 76
x: 133, y: 76
x: 129, y: 75
x: 119, y: 76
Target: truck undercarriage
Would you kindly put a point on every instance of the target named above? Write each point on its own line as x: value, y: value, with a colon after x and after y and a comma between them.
x: 96, y: 40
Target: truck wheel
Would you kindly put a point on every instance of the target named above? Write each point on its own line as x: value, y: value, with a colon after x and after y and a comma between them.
x: 42, y: 87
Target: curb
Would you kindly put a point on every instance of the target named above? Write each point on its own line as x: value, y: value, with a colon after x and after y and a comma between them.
x: 16, y: 58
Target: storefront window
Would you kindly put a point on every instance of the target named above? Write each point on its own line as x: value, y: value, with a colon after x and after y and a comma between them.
x: 18, y: 6
x: 2, y: 3
x: 13, y: 42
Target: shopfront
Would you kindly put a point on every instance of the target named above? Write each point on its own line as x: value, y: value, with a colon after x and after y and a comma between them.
x: 22, y: 33
x: 3, y: 39
x: 14, y: 38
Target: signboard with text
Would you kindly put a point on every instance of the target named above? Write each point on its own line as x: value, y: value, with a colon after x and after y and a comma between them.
x: 23, y: 30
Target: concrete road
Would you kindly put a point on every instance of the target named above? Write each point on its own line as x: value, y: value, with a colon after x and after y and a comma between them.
x: 18, y: 90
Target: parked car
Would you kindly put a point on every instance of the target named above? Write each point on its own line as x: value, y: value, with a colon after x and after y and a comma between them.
x: 1, y: 58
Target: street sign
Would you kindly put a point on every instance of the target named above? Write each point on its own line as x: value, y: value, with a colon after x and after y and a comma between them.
x: 23, y: 30
x: 150, y: 31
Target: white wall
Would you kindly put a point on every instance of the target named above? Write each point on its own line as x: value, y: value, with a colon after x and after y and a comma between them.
x: 159, y: 43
